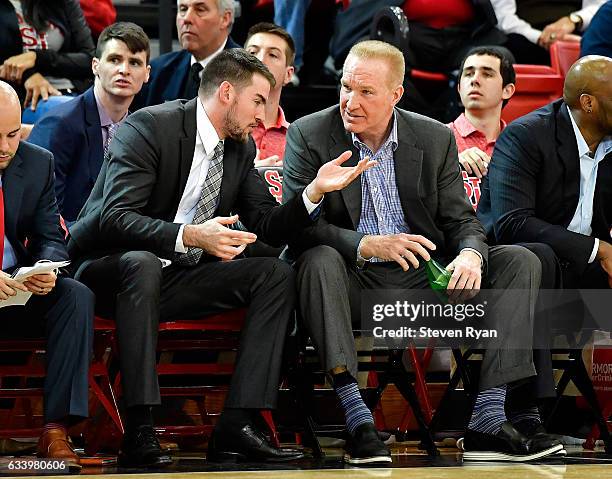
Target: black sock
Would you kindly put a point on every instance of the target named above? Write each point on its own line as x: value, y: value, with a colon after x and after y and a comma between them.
x: 138, y: 416
x: 235, y: 418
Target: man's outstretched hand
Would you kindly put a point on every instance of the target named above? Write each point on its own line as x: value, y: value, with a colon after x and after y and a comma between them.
x: 333, y: 176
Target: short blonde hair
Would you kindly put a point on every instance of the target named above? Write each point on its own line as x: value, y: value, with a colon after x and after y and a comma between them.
x: 375, y: 49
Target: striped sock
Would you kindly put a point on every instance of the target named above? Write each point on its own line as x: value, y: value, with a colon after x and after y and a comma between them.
x: 489, y: 414
x: 529, y: 415
x: 355, y: 410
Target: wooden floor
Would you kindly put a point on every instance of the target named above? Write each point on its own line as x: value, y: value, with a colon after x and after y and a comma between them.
x: 408, y: 463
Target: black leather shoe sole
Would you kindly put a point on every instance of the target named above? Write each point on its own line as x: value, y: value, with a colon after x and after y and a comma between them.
x: 507, y: 457
x: 235, y: 457
x: 126, y: 460
x: 359, y: 461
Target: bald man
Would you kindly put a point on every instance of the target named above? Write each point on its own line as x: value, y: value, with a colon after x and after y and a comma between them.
x: 60, y: 308
x: 551, y: 177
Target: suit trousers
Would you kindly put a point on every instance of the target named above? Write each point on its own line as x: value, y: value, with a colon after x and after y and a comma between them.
x: 329, y: 297
x: 133, y: 288
x: 65, y: 318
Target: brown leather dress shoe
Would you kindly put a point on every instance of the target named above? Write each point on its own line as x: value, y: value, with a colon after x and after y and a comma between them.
x: 54, y: 444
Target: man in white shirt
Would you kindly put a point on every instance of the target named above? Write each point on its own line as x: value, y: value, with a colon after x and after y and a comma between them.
x: 533, y: 25
x: 175, y: 176
x: 203, y: 28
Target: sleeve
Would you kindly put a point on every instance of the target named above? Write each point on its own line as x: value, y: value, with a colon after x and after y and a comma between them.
x: 130, y: 178
x: 300, y: 167
x: 513, y: 180
x: 509, y: 22
x: 588, y: 11
x: 46, y: 133
x: 46, y: 241
x: 75, y: 63
x: 455, y: 216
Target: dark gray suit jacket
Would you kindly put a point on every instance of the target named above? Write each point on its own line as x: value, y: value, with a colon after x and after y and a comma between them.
x: 136, y: 196
x: 428, y: 179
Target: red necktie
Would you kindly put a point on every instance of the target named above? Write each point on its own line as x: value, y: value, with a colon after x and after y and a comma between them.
x: 1, y: 226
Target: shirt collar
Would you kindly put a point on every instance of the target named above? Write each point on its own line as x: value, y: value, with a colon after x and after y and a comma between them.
x: 391, y: 139
x: 207, y: 135
x: 465, y: 128
x: 207, y: 60
x: 583, y: 147
x: 105, y: 119
x: 281, y: 121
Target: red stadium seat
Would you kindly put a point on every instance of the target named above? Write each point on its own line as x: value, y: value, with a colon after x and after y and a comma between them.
x: 563, y: 55
x: 536, y: 86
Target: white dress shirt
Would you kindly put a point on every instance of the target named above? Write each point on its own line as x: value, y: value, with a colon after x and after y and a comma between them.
x: 509, y: 22
x: 583, y: 217
x: 207, y: 60
x: 205, y: 142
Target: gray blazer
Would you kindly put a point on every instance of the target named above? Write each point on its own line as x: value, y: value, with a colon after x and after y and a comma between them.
x: 428, y: 179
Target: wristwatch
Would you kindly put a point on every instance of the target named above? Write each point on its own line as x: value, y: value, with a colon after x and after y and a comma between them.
x: 577, y: 21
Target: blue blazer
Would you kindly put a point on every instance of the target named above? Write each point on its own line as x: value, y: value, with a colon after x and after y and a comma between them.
x: 72, y: 132
x: 31, y: 211
x: 168, y: 77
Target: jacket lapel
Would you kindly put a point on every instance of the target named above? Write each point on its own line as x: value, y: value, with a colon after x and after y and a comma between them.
x: 351, y: 195
x: 94, y: 134
x: 567, y: 151
x: 408, y: 160
x: 12, y: 188
x: 187, y: 145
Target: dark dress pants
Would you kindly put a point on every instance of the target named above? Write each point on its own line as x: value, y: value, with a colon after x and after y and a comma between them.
x: 65, y: 317
x: 133, y: 288
x: 329, y: 296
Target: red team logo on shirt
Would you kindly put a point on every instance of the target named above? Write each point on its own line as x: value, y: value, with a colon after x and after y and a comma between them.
x: 32, y: 39
x: 471, y: 184
x: 275, y: 181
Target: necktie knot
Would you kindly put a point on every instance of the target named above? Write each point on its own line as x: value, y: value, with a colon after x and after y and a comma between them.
x: 196, y: 68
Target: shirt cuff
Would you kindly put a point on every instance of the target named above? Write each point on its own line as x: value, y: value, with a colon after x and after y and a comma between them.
x: 361, y: 261
x: 474, y: 251
x: 179, y: 247
x: 310, y: 206
x: 595, y: 249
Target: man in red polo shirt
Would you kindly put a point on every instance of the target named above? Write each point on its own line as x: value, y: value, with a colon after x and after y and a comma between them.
x: 485, y: 86
x: 275, y: 48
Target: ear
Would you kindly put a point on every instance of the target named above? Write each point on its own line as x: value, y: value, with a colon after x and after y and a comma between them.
x: 508, y: 91
x: 95, y: 63
x: 226, y: 19
x: 226, y: 93
x: 146, y: 80
x: 588, y: 102
x: 397, y: 94
x: 289, y: 71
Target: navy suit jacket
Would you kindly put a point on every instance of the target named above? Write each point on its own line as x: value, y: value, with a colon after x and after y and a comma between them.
x: 72, y: 132
x: 532, y: 190
x: 30, y: 210
x: 168, y: 77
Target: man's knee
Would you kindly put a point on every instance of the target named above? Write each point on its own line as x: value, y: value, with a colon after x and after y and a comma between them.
x: 79, y: 297
x: 141, y: 267
x: 520, y: 261
x: 320, y: 259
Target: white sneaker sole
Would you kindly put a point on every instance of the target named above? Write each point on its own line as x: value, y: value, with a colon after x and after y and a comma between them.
x: 501, y: 456
x: 367, y: 460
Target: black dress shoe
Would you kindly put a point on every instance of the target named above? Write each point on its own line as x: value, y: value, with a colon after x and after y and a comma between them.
x: 246, y: 444
x: 536, y: 430
x: 140, y: 448
x: 507, y: 445
x: 365, y: 447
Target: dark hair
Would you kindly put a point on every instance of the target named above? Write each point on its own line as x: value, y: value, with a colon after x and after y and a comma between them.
x: 129, y: 33
x: 37, y: 13
x: 237, y: 66
x: 506, y: 62
x: 267, y: 27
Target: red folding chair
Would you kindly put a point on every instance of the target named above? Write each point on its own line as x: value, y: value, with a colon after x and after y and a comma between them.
x: 536, y: 86
x: 563, y: 55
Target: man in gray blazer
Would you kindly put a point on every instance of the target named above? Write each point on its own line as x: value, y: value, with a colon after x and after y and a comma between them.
x: 377, y: 233
x: 175, y: 175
